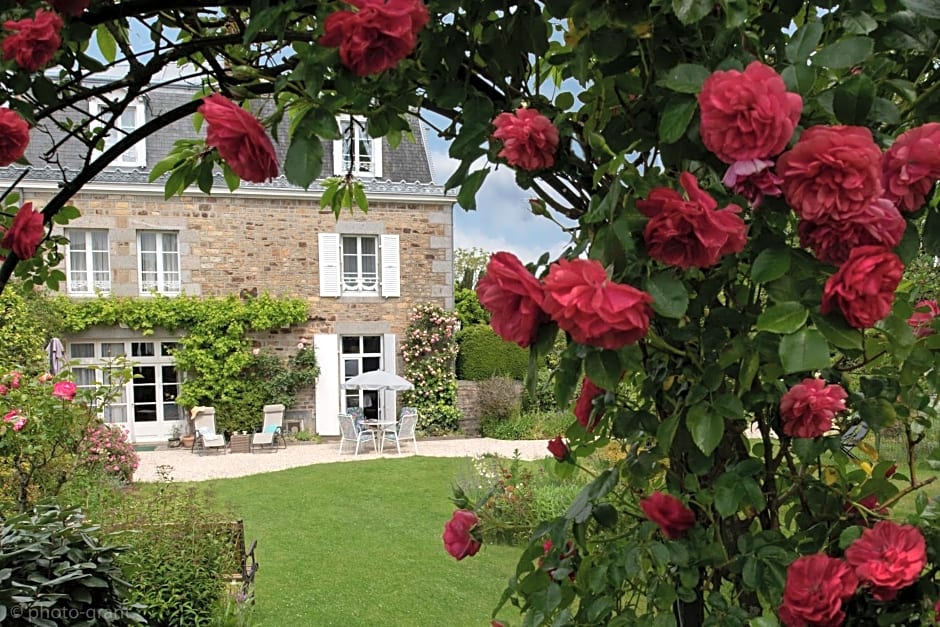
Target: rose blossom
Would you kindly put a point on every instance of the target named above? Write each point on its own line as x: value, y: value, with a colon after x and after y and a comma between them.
x: 747, y: 115
x: 25, y: 233
x: 888, y: 556
x: 239, y: 138
x: 880, y: 224
x: 814, y: 591
x: 863, y: 287
x: 513, y: 297
x: 831, y: 173
x: 592, y: 308
x: 925, y: 312
x: 20, y: 423
x: 458, y: 534
x: 33, y: 41
x: 530, y: 140
x: 377, y: 36
x: 912, y: 166
x: 690, y: 233
x: 807, y: 408
x: 753, y: 179
x: 14, y: 136
x: 70, y: 7
x: 558, y: 448
x: 672, y: 516
x: 10, y: 415
x: 585, y: 404
x: 64, y: 390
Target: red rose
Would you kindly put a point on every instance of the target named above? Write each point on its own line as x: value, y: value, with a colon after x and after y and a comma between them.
x: 14, y: 136
x: 558, y: 448
x: 863, y: 287
x: 924, y: 313
x: 813, y: 593
x: 70, y: 7
x: 239, y: 138
x: 25, y: 233
x: 33, y: 41
x: 593, y: 309
x: 377, y: 36
x: 912, y: 165
x: 753, y: 179
x: 690, y: 233
x: 64, y: 390
x: 831, y: 173
x: 529, y: 139
x: 747, y: 115
x: 888, y: 557
x: 585, y: 405
x: 673, y: 518
x: 880, y: 224
x: 458, y: 536
x: 807, y: 409
x: 513, y: 297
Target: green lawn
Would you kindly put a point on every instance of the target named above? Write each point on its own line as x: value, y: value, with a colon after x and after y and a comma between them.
x: 359, y: 543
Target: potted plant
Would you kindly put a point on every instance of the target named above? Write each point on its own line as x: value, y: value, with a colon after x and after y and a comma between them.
x: 174, y: 439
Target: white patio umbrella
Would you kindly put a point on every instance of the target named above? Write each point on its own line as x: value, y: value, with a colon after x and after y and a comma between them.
x: 378, y: 380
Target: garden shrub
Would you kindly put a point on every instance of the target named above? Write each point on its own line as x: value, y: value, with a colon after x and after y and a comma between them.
x: 429, y: 351
x: 527, y: 426
x: 58, y: 569
x: 500, y: 398
x: 483, y: 354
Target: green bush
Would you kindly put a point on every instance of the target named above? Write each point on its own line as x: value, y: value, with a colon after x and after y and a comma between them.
x: 500, y: 399
x: 483, y: 354
x: 527, y: 426
x: 57, y: 569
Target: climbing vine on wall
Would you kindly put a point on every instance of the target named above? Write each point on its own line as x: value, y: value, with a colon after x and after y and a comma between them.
x: 429, y: 352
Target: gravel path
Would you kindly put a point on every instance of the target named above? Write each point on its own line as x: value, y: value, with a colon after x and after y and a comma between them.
x: 187, y: 466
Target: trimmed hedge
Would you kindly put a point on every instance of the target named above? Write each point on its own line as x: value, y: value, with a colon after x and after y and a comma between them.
x: 483, y: 355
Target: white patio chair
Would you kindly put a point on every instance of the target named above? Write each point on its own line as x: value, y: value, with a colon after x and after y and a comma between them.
x: 406, y: 430
x: 272, y: 434
x: 204, y: 425
x: 349, y: 433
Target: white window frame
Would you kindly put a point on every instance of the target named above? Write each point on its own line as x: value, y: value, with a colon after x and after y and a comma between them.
x: 136, y: 155
x: 165, y: 282
x: 333, y: 277
x: 88, y: 284
x: 356, y: 125
x: 358, y: 281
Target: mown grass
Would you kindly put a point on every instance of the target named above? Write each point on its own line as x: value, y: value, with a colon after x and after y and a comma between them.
x: 360, y: 544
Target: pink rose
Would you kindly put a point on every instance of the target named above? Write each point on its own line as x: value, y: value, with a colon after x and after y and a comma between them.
x: 10, y: 415
x: 513, y: 297
x: 880, y: 224
x: 592, y: 308
x: 863, y: 287
x: 33, y: 41
x: 558, y: 448
x: 814, y: 591
x: 832, y: 172
x: 807, y: 408
x: 377, y: 36
x: 747, y: 115
x: 912, y: 166
x: 70, y: 7
x: 25, y: 233
x: 530, y: 140
x: 239, y: 138
x: 459, y: 539
x: 585, y: 405
x: 672, y: 516
x: 888, y: 557
x: 753, y: 179
x: 14, y: 136
x: 690, y: 233
x: 925, y: 312
x: 64, y: 390
x: 20, y: 423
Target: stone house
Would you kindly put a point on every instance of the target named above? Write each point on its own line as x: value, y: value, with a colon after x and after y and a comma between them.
x: 361, y: 274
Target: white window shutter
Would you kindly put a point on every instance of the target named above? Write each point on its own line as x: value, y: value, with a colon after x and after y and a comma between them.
x: 338, y: 169
x: 326, y: 347
x: 390, y: 359
x: 330, y: 262
x: 391, y: 266
x: 377, y: 157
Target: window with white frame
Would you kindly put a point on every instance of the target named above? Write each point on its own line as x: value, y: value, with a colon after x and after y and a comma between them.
x: 132, y: 118
x: 355, y: 152
x: 88, y: 262
x: 359, y: 265
x: 158, y: 262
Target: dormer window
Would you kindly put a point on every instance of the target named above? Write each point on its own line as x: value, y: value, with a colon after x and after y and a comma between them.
x: 355, y: 152
x: 132, y: 118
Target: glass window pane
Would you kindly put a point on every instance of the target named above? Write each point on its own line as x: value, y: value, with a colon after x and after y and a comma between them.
x: 350, y: 368
x: 372, y: 344
x: 371, y: 363
x: 368, y: 245
x: 81, y: 351
x: 350, y: 345
x: 112, y: 349
x: 148, y: 241
x: 142, y: 349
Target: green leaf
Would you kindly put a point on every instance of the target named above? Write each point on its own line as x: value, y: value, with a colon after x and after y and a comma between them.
x: 564, y: 100
x: 770, y: 265
x: 467, y: 196
x: 798, y: 78
x: 804, y: 42
x: 784, y: 318
x: 706, y: 427
x: 666, y: 433
x: 691, y: 11
x: 844, y: 53
x: 670, y: 297
x: 603, y: 368
x: 853, y: 100
x: 859, y: 24
x: 676, y: 116
x: 932, y: 232
x: 924, y: 8
x: 804, y: 351
x: 685, y: 78
x: 359, y: 193
x: 304, y: 160
x: 735, y: 11
x: 106, y: 43
x: 837, y: 332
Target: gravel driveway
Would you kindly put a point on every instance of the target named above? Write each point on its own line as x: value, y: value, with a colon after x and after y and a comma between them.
x: 187, y: 466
